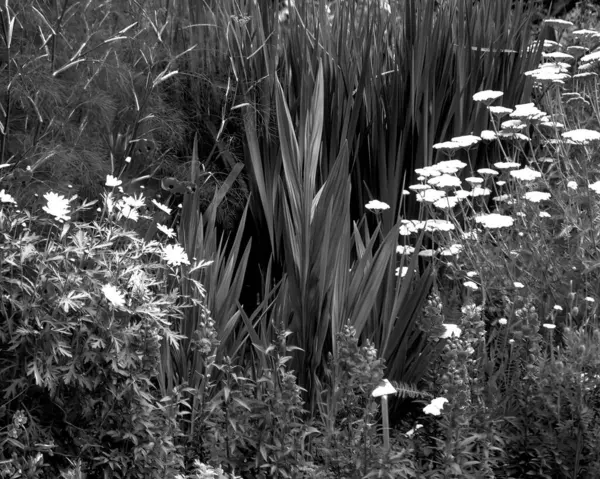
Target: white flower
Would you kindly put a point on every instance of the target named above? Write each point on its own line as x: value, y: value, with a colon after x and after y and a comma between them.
x: 419, y: 187
x: 471, y: 285
x: 58, y: 206
x: 452, y: 250
x: 128, y: 211
x: 437, y: 225
x: 549, y: 325
x: 518, y: 285
x: 166, y: 230
x: 487, y: 171
x: 527, y: 111
x: 446, y: 146
x: 494, y: 220
x: 557, y: 23
x: 487, y: 95
x: 411, y: 432
x: 427, y: 253
x: 402, y: 273
x: 428, y: 171
x: 113, y: 295
x: 589, y: 299
x: 430, y: 196
x: 447, y: 202
x: 503, y: 321
x: 175, y: 255
x: 474, y: 180
x: 405, y: 249
x: 469, y: 235
x: 376, y: 205
x: 557, y: 307
x: 478, y: 191
x: 111, y: 181
x: 572, y: 185
x: 162, y: 207
x: 595, y: 186
x: 462, y: 194
x: 435, y: 406
x: 544, y: 214
x: 506, y: 165
x: 135, y: 201
x: 499, y: 110
x: 6, y: 198
x: 537, y: 196
x: 444, y: 181
x: 467, y: 140
x: 513, y: 125
x: 471, y: 274
x: 488, y: 135
x: 582, y: 136
x: 525, y: 174
x: 409, y: 227
x: 451, y: 330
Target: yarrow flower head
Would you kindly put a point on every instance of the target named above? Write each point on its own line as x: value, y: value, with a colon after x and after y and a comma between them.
x: 6, y: 198
x: 175, y: 255
x: 537, y: 196
x: 525, y: 174
x: 487, y: 96
x: 376, y: 205
x: 582, y: 136
x: 58, y: 206
x: 494, y: 220
x: 111, y: 181
x: 113, y: 295
x: 435, y: 406
x: 451, y: 330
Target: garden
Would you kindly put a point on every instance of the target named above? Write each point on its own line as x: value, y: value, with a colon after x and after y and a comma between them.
x: 259, y: 239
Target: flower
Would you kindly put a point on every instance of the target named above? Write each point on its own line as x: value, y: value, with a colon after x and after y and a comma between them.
x: 128, y: 211
x: 452, y: 250
x: 506, y: 165
x: 589, y: 299
x: 479, y: 191
x: 135, y: 201
x: 595, y: 186
x: 113, y: 295
x: 451, y: 330
x: 376, y: 205
x: 430, y: 195
x: 544, y: 214
x: 557, y: 307
x: 444, y: 181
x: 494, y: 220
x: 175, y: 255
x: 471, y: 274
x: 572, y: 185
x: 411, y: 432
x: 58, y: 206
x: 499, y: 110
x: 503, y: 321
x: 447, y: 202
x: 525, y: 174
x: 488, y: 135
x: 517, y: 284
x: 487, y: 95
x: 527, y: 111
x: 471, y: 285
x: 474, y: 180
x: 549, y: 325
x: 111, y: 181
x: 536, y: 196
x: 435, y: 406
x: 166, y: 230
x: 405, y: 249
x: 6, y: 198
x: 162, y: 207
x: 581, y: 136
x: 557, y: 23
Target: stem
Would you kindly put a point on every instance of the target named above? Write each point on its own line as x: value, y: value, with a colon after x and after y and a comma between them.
x: 386, y: 424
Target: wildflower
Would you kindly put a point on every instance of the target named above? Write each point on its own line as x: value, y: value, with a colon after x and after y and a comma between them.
x: 499, y: 110
x: 557, y: 23
x: 437, y: 225
x: 525, y: 174
x: 462, y: 194
x: 536, y: 196
x: 478, y: 191
x: 471, y: 285
x: 411, y: 432
x: 487, y: 171
x: 595, y: 186
x: 135, y: 201
x: 500, y: 183
x: 467, y: 140
x: 557, y: 307
x: 572, y: 185
x: 58, y: 206
x: 419, y: 187
x: 494, y: 220
x: 166, y: 230
x: 430, y: 196
x: 582, y: 136
x: 428, y: 171
x: 452, y: 250
x: 549, y: 325
x: 506, y: 165
x: 558, y: 56
x: 113, y: 295
x: 435, y: 406
x: 111, y: 181
x: 128, y: 211
x: 512, y: 135
x: 408, y: 227
x: 474, y: 180
x: 447, y: 202
x: 469, y: 235
x: 376, y: 205
x: 405, y: 249
x: 175, y: 255
x: 503, y: 321
x: 448, y: 146
x: 488, y: 135
x: 590, y: 58
x: 513, y: 125
x: 162, y: 207
x: 544, y: 214
x: 518, y: 285
x: 451, y: 330
x: 449, y: 166
x: 427, y: 253
x: 527, y: 111
x: 487, y: 96
x: 6, y: 198
x: 471, y: 274
x: 444, y: 181
x: 589, y: 299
